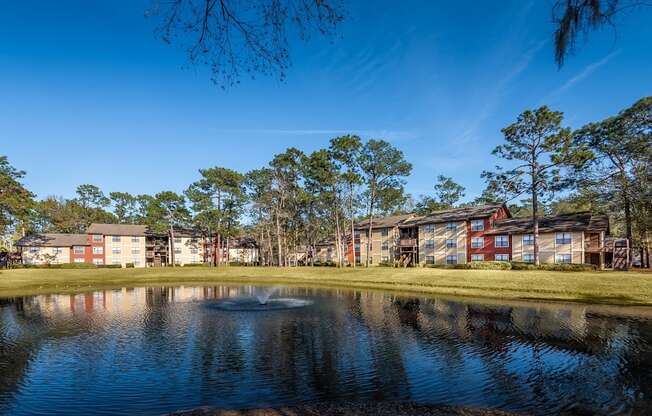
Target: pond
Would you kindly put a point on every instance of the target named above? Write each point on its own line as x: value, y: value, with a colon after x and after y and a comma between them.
x: 157, y: 350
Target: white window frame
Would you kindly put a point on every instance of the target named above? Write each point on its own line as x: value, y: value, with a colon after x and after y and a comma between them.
x: 57, y: 250
x: 116, y: 250
x: 135, y: 251
x: 98, y: 250
x: 135, y: 240
x: 477, y: 257
x: 566, y: 238
x: 500, y: 238
x: 451, y: 243
x: 430, y: 244
x: 563, y: 257
x: 477, y: 225
x: 384, y: 232
x: 429, y: 228
x: 34, y: 250
x: 430, y: 259
x: 98, y: 262
x: 528, y: 257
x: 98, y: 238
x: 78, y: 249
x: 116, y: 239
x: 451, y: 226
x: 178, y: 240
x: 452, y: 259
x: 475, y: 240
x: 78, y: 260
x: 384, y: 246
x: 499, y: 257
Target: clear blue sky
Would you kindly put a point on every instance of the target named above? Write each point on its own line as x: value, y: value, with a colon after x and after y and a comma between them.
x: 89, y: 95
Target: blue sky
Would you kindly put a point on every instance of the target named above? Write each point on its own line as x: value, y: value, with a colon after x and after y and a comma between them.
x: 89, y: 95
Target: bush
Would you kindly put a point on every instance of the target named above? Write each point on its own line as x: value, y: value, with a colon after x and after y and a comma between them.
x: 490, y: 265
x: 328, y: 263
x: 130, y: 265
x: 556, y: 267
x: 196, y: 265
x: 385, y: 264
x: 109, y: 266
x: 78, y: 266
x: 54, y: 266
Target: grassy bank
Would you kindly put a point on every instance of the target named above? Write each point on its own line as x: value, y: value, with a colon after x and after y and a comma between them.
x: 618, y: 288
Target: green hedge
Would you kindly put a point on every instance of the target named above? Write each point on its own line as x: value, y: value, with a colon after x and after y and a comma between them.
x: 55, y: 266
x: 328, y: 263
x: 490, y: 265
x: 556, y: 267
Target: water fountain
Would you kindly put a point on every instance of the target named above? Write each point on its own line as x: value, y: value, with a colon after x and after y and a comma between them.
x: 261, y: 300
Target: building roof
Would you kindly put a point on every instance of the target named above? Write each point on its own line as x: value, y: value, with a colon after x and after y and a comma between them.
x: 577, y: 221
x: 384, y: 222
x: 455, y: 214
x: 117, y: 229
x: 53, y: 240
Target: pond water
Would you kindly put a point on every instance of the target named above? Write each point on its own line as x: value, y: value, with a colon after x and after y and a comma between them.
x: 156, y: 350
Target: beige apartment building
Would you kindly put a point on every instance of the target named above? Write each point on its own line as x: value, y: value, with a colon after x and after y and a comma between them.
x: 384, y: 240
x: 52, y: 248
x: 187, y: 249
x: 121, y: 244
x: 577, y: 238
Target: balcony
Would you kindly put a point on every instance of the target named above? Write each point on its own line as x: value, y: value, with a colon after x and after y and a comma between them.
x: 593, y: 246
x: 407, y: 242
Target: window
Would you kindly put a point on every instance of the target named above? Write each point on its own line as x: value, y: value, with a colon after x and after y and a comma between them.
x: 563, y: 258
x: 451, y: 226
x: 116, y: 261
x: 450, y: 243
x: 477, y: 225
x: 385, y: 246
x: 477, y: 242
x: 98, y: 250
x: 135, y: 240
x: 57, y: 250
x: 116, y: 250
x: 564, y: 238
x: 385, y: 259
x: 177, y: 250
x: 195, y: 250
x: 177, y: 262
x: 430, y: 243
x: 357, y: 248
x: 477, y: 257
x: 136, y: 262
x: 429, y: 228
x: 116, y: 239
x: 97, y: 238
x: 357, y: 234
x: 177, y: 240
x: 135, y: 251
x: 528, y: 258
x: 34, y: 249
x: 528, y: 240
x: 78, y: 250
x: 502, y: 241
x: 430, y: 259
x: 385, y: 232
x: 502, y: 257
x: 98, y: 261
x: 451, y: 259
x: 78, y: 260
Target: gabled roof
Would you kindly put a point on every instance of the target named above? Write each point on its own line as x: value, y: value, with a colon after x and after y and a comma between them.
x: 455, y: 214
x: 577, y: 221
x: 53, y: 240
x: 117, y: 229
x: 384, y: 222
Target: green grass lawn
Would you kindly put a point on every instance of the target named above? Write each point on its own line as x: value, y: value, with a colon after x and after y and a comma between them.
x: 620, y: 288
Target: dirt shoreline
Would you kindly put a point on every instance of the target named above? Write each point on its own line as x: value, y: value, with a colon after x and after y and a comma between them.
x: 347, y: 409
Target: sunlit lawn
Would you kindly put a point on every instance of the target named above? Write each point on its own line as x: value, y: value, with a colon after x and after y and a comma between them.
x: 599, y: 287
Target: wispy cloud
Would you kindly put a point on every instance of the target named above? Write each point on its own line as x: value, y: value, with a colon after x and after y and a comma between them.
x: 393, y: 135
x: 588, y: 70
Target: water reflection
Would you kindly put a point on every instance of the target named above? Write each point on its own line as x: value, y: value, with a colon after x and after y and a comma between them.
x: 153, y: 350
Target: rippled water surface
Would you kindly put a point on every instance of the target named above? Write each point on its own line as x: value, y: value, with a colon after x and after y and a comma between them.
x: 155, y: 350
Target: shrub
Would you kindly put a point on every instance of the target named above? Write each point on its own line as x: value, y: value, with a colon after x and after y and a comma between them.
x: 197, y: 265
x: 556, y: 267
x: 521, y: 265
x: 490, y: 265
x: 328, y: 263
x: 78, y: 266
x: 130, y: 265
x: 109, y: 266
x: 385, y: 264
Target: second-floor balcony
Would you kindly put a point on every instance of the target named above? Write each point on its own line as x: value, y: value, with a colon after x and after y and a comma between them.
x: 407, y: 242
x: 591, y: 245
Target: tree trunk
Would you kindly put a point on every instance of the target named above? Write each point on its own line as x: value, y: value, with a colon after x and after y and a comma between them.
x: 371, y: 219
x: 278, y: 239
x: 270, y: 249
x: 535, y: 209
x: 218, y: 250
x: 228, y: 253
x: 172, y: 246
x: 352, y: 228
x: 338, y: 238
x: 628, y: 225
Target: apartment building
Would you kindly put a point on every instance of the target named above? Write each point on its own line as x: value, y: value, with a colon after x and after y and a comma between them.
x: 118, y: 244
x: 569, y: 238
x: 53, y: 248
x: 453, y: 236
x: 384, y: 239
x: 188, y: 248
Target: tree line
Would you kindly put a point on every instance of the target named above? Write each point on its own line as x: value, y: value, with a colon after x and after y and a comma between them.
x: 298, y: 200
